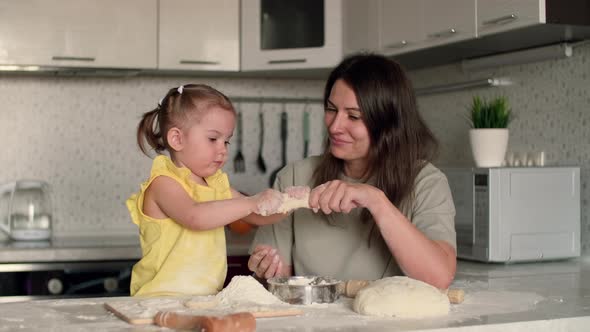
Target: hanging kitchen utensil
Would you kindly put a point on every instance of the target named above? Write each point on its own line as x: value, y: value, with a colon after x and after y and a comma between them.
x: 284, y: 130
x: 305, y: 131
x: 239, y: 162
x: 260, y: 160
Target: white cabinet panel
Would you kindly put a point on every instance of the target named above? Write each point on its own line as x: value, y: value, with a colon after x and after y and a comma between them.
x: 79, y: 33
x: 270, y: 42
x: 400, y: 25
x: 448, y: 21
x: 501, y: 15
x: 409, y: 25
x: 199, y: 35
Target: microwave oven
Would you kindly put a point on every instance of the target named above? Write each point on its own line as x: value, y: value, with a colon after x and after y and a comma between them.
x: 515, y: 214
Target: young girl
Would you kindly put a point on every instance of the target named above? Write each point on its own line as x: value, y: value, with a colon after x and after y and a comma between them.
x: 182, y: 208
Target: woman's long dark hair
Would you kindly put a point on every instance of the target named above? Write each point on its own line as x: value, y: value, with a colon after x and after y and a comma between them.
x: 401, y: 143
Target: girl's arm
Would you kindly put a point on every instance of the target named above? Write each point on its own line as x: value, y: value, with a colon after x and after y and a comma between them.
x: 419, y: 257
x: 257, y: 219
x: 165, y: 198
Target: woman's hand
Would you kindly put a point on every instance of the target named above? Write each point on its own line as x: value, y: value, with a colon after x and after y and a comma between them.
x: 340, y: 196
x: 267, y: 202
x: 265, y: 262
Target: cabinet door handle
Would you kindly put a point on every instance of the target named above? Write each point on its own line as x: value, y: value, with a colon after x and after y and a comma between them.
x: 72, y: 58
x: 501, y: 20
x: 443, y: 34
x: 399, y: 44
x: 276, y: 62
x: 198, y: 62
x: 235, y: 265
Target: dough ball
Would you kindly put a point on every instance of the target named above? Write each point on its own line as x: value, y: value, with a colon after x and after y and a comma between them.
x: 401, y: 297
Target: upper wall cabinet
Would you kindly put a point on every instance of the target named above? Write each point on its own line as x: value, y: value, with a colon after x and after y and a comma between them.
x: 199, y: 35
x: 407, y: 25
x: 495, y: 16
x: 302, y: 34
x: 79, y: 33
x: 400, y: 25
x: 447, y: 21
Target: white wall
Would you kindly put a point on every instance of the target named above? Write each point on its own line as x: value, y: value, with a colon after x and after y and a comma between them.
x: 79, y: 133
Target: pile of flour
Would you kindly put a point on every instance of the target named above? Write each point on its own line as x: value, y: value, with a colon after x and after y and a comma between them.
x: 243, y: 289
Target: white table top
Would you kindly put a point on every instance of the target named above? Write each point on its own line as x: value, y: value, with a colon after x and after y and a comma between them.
x: 535, y: 297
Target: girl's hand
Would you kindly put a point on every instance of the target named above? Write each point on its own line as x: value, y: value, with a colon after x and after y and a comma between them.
x: 267, y: 202
x: 340, y: 196
x: 265, y: 262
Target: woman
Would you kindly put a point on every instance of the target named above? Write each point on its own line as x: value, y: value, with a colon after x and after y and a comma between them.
x: 383, y: 209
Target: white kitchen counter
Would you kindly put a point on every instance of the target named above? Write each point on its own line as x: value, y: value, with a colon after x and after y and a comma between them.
x: 92, y: 248
x: 535, y: 297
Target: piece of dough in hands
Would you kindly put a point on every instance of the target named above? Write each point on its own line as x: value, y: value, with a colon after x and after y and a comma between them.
x: 289, y: 204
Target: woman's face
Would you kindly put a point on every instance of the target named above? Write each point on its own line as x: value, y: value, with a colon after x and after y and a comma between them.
x: 349, y: 137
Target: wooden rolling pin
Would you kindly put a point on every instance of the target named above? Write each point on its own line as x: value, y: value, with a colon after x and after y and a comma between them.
x: 238, y: 322
x: 351, y: 287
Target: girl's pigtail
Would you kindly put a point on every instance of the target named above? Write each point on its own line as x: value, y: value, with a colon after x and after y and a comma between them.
x: 148, y: 131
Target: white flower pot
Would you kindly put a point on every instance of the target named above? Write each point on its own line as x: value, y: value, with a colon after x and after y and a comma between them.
x: 488, y: 146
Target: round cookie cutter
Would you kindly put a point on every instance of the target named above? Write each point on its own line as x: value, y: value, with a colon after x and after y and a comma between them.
x: 305, y: 289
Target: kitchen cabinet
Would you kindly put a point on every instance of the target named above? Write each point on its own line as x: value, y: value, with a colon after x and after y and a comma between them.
x: 400, y: 27
x: 304, y: 34
x: 495, y: 16
x: 79, y: 33
x: 406, y: 25
x: 498, y: 26
x: 447, y: 21
x: 199, y: 35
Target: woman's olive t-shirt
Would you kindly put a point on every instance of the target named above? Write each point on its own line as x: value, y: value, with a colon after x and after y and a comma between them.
x: 341, y: 245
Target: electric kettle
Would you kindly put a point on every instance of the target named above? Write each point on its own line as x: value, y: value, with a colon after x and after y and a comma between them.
x: 25, y: 210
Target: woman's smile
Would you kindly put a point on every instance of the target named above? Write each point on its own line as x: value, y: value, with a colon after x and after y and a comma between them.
x: 339, y: 141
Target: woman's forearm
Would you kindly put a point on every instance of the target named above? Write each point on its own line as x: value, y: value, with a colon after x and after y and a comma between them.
x: 433, y: 262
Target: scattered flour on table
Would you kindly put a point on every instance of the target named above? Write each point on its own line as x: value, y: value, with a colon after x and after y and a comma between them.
x: 246, y: 289
x: 488, y: 302
x: 160, y: 303
x: 13, y: 319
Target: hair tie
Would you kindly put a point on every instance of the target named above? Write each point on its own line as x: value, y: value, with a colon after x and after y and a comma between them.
x: 180, y: 89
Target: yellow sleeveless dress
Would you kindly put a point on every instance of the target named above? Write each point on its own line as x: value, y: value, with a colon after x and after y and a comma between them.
x: 177, y: 260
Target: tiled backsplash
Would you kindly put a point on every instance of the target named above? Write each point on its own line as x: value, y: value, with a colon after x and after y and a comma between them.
x: 551, y: 103
x: 79, y: 133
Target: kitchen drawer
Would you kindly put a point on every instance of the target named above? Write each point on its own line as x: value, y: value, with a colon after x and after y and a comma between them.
x: 236, y: 265
x: 63, y: 280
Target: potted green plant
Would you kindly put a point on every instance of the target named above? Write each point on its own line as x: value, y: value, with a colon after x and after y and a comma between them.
x: 489, y: 120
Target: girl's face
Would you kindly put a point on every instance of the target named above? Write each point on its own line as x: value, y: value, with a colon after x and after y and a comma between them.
x: 348, y: 135
x: 205, y: 148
